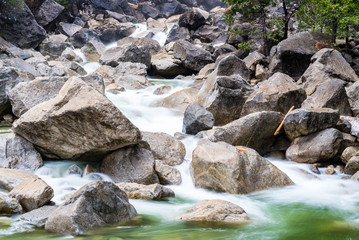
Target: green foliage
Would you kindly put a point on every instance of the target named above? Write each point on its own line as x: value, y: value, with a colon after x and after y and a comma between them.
x: 337, y: 18
x: 269, y: 27
x: 64, y: 3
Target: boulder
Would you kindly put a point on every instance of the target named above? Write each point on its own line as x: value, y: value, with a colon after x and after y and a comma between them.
x: 216, y: 211
x: 54, y: 45
x: 119, y: 6
x: 10, y: 178
x: 193, y: 18
x: 255, y: 131
x: 353, y: 96
x: 166, y: 174
x: 253, y: 59
x: 10, y: 206
x: 130, y: 164
x: 167, y: 65
x: 93, y: 50
x: 352, y: 166
x: 348, y: 153
x: 69, y: 29
x: 279, y: 93
x: 165, y: 147
x: 167, y: 9
x: 110, y: 30
x: 355, y: 177
x: 28, y: 94
x: 39, y: 216
x: 354, y: 123
x: 328, y: 65
x: 152, y: 45
x: 147, y: 10
x: 180, y: 100
x: 22, y: 66
x: 146, y: 192
x: 95, y: 204
x: 82, y: 36
x: 292, y: 56
x: 56, y: 127
x: 18, y: 25
x: 302, y: 122
x: 9, y: 78
x: 32, y: 193
x: 126, y: 53
x: 316, y: 147
x: 225, y: 90
x: 192, y: 57
x: 223, y: 168
x: 208, y: 34
x: 196, y: 119
x: 330, y: 94
x: 125, y: 75
x: 17, y: 153
x: 48, y: 11
x: 162, y: 90
x: 177, y: 33
x: 209, y: 5
x: 223, y: 49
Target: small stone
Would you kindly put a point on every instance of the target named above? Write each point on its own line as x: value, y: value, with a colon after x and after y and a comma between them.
x: 314, y: 168
x: 330, y: 170
x: 196, y: 119
x: 162, y: 90
x: 146, y: 192
x: 74, y: 170
x: 167, y: 174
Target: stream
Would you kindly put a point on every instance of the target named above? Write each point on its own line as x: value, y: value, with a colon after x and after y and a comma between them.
x: 316, y: 207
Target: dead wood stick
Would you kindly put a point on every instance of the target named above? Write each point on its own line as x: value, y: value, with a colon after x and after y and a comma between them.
x: 282, y: 123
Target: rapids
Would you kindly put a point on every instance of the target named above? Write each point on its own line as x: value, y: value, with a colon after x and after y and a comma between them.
x: 321, y: 207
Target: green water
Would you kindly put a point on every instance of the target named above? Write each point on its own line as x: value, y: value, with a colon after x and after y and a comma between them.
x: 294, y: 221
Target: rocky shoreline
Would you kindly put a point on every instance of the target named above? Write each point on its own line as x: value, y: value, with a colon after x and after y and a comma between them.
x: 58, y: 109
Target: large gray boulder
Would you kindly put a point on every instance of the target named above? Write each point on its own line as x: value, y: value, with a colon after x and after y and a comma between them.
x: 223, y: 168
x: 197, y: 119
x: 327, y: 66
x: 54, y: 45
x: 292, y: 56
x: 28, y: 94
x: 130, y: 164
x: 216, y: 211
x: 330, y: 94
x: 255, y: 131
x: 316, y: 147
x: 18, y: 25
x: 78, y: 123
x: 17, y: 153
x: 180, y: 100
x: 146, y: 192
x: 352, y: 166
x: 32, y: 193
x: 165, y: 147
x: 95, y: 204
x: 302, y: 122
x: 192, y: 57
x: 226, y: 89
x: 279, y: 93
x: 48, y: 11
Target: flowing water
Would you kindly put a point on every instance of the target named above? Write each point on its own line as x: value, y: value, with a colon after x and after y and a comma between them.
x: 325, y: 207
x: 316, y: 207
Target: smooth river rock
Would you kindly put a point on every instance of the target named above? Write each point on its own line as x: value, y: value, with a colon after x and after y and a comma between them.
x: 79, y: 123
x: 10, y: 178
x: 10, y: 206
x: 216, y: 211
x: 222, y: 168
x: 95, y: 204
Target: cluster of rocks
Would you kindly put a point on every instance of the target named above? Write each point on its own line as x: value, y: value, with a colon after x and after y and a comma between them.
x: 63, y: 112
